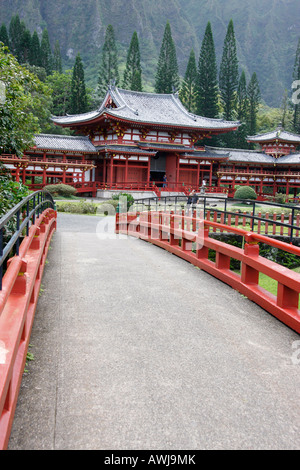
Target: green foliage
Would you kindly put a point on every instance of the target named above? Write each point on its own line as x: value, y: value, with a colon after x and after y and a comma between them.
x: 18, y: 124
x: 35, y: 51
x: 81, y: 207
x: 60, y: 84
x: 167, y: 77
x: 11, y: 193
x: 207, y: 98
x: 296, y: 76
x: 61, y: 190
x: 57, y: 63
x: 4, y: 35
x: 46, y: 53
x: 130, y: 198
x: 109, y: 70
x: 133, y: 72
x: 78, y: 102
x: 245, y: 192
x: 188, y: 87
x: 253, y: 93
x: 228, y: 80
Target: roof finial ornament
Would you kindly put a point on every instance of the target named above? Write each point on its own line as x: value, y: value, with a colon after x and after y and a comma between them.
x: 112, y: 83
x: 174, y: 90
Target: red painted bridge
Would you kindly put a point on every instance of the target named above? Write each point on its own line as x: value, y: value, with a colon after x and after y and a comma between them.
x: 135, y: 348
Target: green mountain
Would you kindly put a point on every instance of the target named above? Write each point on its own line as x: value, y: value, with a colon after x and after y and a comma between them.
x: 266, y: 31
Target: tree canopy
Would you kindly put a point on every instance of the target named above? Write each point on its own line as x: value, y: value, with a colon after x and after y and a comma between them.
x: 24, y: 100
x: 167, y: 78
x: 109, y: 70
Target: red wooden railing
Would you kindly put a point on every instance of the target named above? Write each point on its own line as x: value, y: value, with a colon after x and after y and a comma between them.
x: 179, y: 234
x: 18, y: 301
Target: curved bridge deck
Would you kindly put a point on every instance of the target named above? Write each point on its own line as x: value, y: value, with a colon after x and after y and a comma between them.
x: 135, y: 348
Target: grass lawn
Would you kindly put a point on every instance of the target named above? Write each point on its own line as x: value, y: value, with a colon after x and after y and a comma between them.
x: 270, y: 284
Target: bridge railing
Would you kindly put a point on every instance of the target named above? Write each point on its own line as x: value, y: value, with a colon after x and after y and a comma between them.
x: 262, y: 217
x: 25, y: 235
x: 189, y: 238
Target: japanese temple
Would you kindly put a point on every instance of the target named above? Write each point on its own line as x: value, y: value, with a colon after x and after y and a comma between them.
x: 135, y: 141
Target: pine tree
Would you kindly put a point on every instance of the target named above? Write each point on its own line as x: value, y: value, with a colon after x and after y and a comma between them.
x: 242, y: 108
x: 57, y: 65
x: 296, y: 95
x: 207, y: 85
x: 46, y: 53
x: 35, y: 51
x: 25, y: 45
x: 109, y: 62
x: 229, y: 75
x: 167, y: 77
x: 4, y: 35
x: 188, y: 87
x: 253, y: 93
x: 15, y: 36
x: 133, y: 72
x: 78, y: 89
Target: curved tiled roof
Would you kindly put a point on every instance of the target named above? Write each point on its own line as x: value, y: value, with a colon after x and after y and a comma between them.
x: 151, y: 108
x: 64, y: 143
x: 243, y: 156
x: 278, y: 134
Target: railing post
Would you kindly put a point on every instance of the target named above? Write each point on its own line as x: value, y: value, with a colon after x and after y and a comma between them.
x: 201, y: 249
x: 250, y: 275
x: 174, y: 241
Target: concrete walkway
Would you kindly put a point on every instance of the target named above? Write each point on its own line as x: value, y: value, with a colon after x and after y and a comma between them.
x: 135, y: 348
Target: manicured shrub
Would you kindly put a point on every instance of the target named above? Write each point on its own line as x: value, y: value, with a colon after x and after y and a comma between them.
x: 81, y: 207
x: 61, y: 190
x: 245, y: 192
x: 130, y: 199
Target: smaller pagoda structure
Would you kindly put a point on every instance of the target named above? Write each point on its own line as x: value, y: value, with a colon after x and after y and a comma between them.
x: 276, y: 143
x: 274, y: 165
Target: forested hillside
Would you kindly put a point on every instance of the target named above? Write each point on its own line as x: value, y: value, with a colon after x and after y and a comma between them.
x: 266, y: 31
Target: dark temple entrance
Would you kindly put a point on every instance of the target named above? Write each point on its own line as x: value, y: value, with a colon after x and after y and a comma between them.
x: 158, y: 168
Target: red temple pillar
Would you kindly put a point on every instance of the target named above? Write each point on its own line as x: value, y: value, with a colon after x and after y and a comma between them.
x: 111, y: 169
x: 44, y: 176
x: 126, y: 170
x: 210, y: 174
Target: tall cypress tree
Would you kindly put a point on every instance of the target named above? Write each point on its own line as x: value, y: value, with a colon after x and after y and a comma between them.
x: 296, y: 96
x: 57, y: 65
x: 133, y: 72
x: 242, y: 110
x: 15, y: 36
x: 167, y: 77
x: 46, y: 53
x: 78, y: 89
x: 207, y: 86
x: 229, y: 75
x: 4, y: 35
x: 35, y: 51
x: 25, y: 45
x: 188, y: 87
x: 109, y: 62
x: 253, y: 93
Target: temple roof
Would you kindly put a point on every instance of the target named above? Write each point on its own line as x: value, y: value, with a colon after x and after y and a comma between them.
x: 63, y: 143
x: 147, y: 108
x: 278, y: 134
x: 243, y: 156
